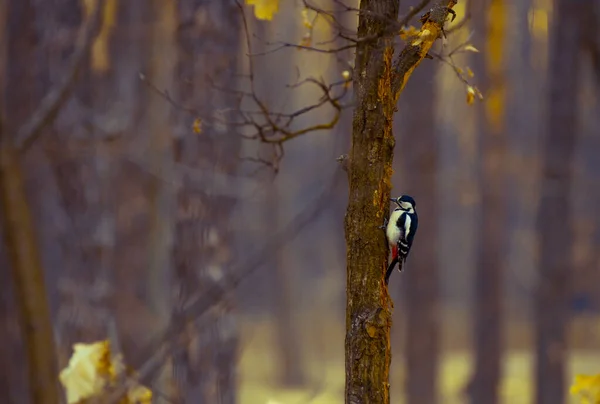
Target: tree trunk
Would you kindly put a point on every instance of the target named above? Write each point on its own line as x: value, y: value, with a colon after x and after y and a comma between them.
x: 489, y: 18
x: 368, y: 316
x: 19, y: 232
x: 159, y: 290
x: 552, y: 314
x: 84, y: 181
x: 377, y: 84
x: 422, y: 280
x: 204, y: 247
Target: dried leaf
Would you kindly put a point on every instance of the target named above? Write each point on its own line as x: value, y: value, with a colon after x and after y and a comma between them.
x: 470, y: 72
x: 91, y: 369
x: 197, y: 126
x: 470, y: 48
x: 470, y: 95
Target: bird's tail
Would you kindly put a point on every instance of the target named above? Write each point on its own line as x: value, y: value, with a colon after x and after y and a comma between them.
x: 390, y: 269
x: 401, y: 263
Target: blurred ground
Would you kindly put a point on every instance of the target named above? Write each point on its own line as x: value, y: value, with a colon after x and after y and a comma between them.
x: 325, y: 363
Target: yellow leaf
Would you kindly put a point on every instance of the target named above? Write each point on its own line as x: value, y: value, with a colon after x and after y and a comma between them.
x: 346, y: 75
x: 139, y: 395
x: 470, y: 95
x: 423, y: 35
x: 197, y: 126
x: 264, y: 9
x: 470, y: 72
x: 91, y: 369
x: 305, y: 21
x: 88, y: 371
x: 587, y: 386
x: 470, y: 48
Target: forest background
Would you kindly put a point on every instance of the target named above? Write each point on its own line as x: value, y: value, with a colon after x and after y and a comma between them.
x: 171, y: 178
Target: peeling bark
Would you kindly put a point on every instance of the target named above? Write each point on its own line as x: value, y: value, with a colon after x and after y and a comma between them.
x: 378, y: 83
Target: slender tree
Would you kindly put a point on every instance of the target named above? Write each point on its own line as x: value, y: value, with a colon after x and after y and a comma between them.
x: 20, y: 238
x: 489, y: 18
x: 421, y: 289
x: 553, y: 290
x: 378, y: 82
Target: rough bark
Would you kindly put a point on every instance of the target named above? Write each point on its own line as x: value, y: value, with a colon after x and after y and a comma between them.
x: 422, y: 278
x: 378, y: 83
x: 489, y: 17
x: 553, y: 290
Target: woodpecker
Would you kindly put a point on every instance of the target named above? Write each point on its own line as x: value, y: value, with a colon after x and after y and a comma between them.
x: 400, y: 231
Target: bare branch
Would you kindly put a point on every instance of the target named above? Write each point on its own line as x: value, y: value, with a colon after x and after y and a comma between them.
x: 57, y: 96
x: 417, y: 49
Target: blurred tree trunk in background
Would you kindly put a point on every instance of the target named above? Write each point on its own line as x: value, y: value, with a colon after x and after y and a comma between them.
x: 131, y: 49
x: 420, y: 162
x: 19, y: 100
x: 159, y: 158
x: 82, y: 168
x: 288, y: 334
x: 489, y: 18
x: 554, y: 218
x: 203, y: 250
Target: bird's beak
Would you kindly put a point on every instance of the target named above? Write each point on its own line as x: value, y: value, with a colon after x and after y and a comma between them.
x: 393, y: 199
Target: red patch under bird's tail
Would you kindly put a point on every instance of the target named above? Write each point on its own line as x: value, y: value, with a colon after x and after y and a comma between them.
x: 394, y: 252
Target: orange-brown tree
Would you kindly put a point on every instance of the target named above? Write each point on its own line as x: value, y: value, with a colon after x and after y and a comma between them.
x: 378, y: 81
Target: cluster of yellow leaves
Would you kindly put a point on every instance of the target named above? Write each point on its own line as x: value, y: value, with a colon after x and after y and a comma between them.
x: 91, y: 370
x: 264, y: 9
x: 587, y: 388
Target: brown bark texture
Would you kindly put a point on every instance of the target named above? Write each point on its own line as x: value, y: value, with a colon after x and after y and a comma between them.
x: 553, y: 291
x: 488, y: 18
x: 378, y: 82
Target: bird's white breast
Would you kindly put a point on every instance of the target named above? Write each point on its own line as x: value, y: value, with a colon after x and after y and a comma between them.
x: 392, y: 231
